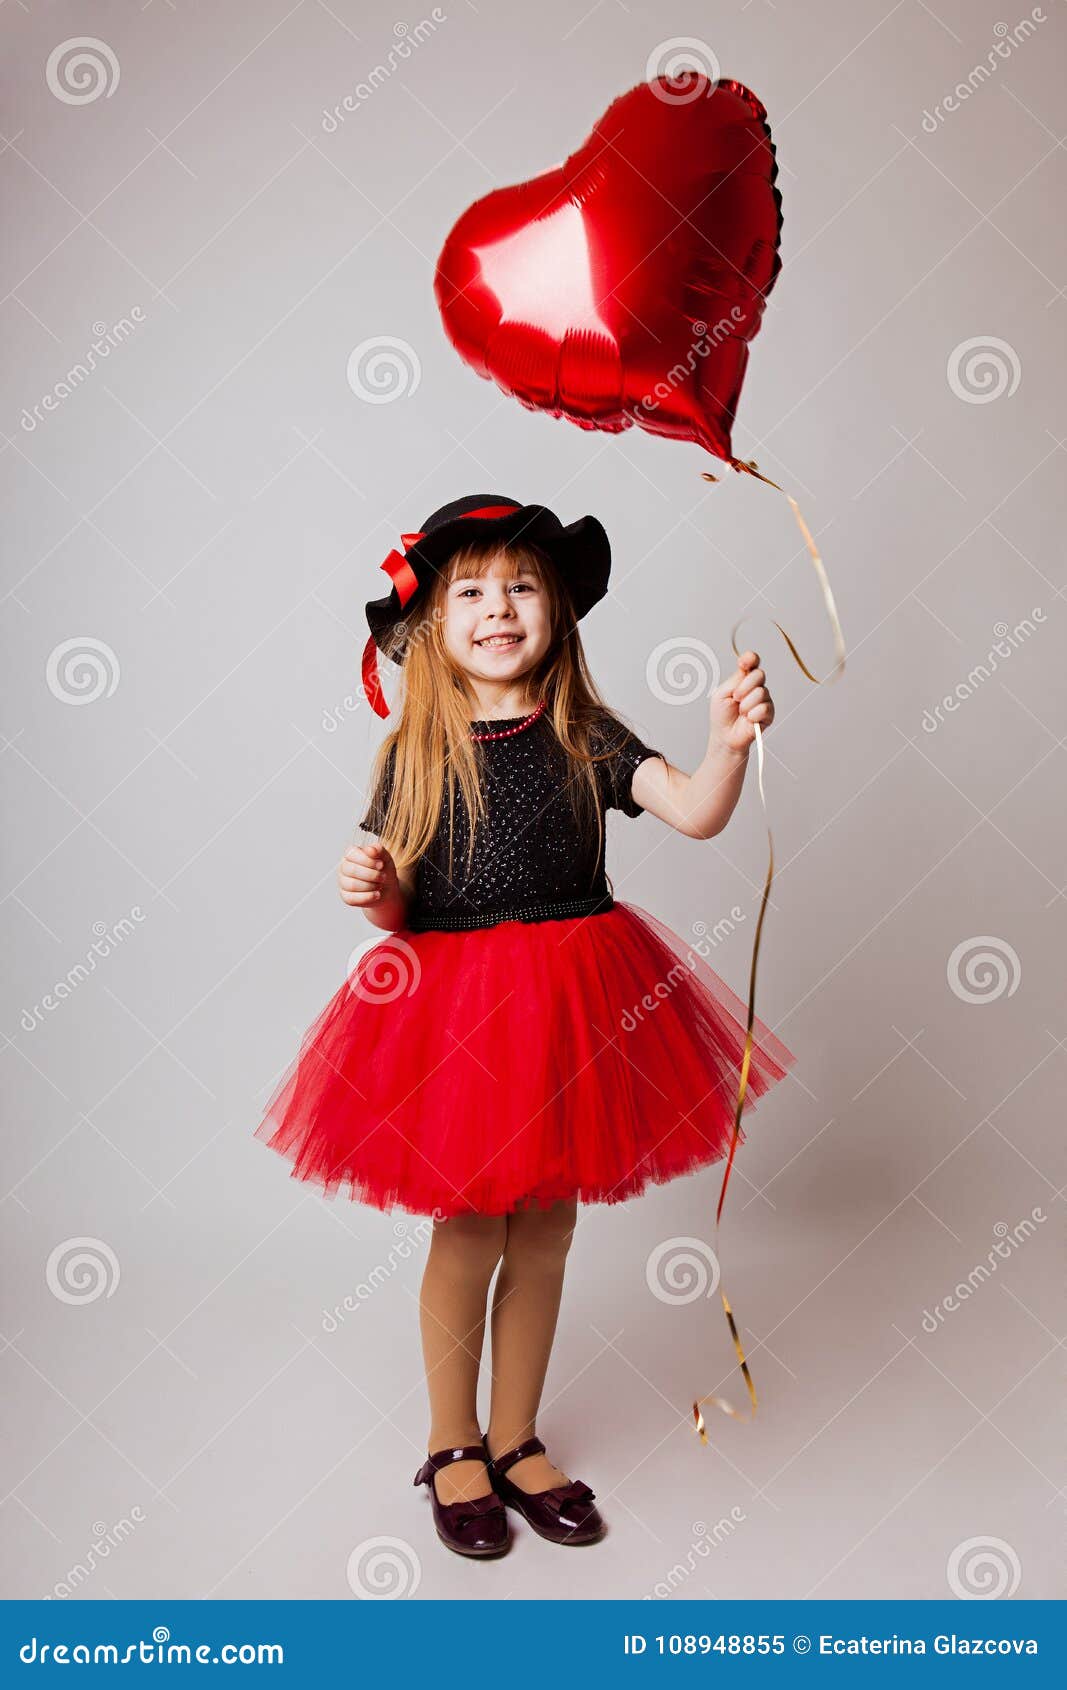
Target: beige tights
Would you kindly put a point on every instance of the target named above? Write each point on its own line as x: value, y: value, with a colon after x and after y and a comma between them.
x: 531, y: 1248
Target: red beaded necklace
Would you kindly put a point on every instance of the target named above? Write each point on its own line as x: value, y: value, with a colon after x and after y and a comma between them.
x: 520, y: 727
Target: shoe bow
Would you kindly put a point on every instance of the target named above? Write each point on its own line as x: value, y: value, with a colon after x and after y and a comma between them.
x: 576, y: 1491
x: 476, y: 1509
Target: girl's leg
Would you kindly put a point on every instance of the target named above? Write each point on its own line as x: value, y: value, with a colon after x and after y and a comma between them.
x: 525, y: 1308
x: 464, y: 1252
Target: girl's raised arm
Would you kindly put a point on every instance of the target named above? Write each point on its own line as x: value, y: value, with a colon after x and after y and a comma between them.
x: 700, y: 805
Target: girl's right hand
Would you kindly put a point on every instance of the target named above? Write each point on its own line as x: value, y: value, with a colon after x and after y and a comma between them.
x: 366, y: 875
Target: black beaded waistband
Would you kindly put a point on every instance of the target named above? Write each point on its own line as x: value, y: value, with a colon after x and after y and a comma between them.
x: 447, y: 921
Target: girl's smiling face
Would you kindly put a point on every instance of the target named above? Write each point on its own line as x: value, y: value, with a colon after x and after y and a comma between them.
x: 497, y: 623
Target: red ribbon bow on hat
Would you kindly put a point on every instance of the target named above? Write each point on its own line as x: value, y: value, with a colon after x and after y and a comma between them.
x: 406, y: 583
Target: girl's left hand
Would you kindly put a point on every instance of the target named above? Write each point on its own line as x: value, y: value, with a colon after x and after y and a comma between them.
x: 740, y: 702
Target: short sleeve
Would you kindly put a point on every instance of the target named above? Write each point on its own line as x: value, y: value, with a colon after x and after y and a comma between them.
x: 616, y: 772
x: 374, y: 819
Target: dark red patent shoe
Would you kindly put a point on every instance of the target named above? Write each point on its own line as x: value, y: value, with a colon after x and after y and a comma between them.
x: 563, y: 1514
x: 478, y: 1526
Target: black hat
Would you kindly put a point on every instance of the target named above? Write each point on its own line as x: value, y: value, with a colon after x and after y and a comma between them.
x: 580, y: 551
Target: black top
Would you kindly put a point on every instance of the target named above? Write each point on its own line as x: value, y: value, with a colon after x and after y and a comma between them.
x: 529, y: 854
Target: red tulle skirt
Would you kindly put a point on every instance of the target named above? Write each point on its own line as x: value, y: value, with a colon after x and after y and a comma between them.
x: 489, y: 1070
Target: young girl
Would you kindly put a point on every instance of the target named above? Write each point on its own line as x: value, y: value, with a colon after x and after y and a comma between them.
x: 519, y: 1040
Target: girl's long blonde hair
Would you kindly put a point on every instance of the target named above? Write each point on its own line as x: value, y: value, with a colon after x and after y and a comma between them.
x: 431, y: 742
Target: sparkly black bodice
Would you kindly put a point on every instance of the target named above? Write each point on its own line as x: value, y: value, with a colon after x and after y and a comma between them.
x: 529, y: 854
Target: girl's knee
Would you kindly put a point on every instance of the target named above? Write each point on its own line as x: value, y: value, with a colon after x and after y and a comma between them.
x: 541, y: 1235
x: 471, y: 1244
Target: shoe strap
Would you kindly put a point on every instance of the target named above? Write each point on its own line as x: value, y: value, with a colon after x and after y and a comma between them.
x: 443, y: 1458
x: 532, y: 1446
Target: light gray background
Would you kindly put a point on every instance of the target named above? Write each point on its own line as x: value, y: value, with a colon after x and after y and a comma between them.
x: 212, y: 504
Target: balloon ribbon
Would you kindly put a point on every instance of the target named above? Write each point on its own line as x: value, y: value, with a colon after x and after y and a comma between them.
x: 750, y: 468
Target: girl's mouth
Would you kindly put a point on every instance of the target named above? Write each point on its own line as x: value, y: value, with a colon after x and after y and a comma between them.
x: 500, y: 642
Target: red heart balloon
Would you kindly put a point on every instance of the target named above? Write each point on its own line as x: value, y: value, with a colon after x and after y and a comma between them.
x: 624, y: 286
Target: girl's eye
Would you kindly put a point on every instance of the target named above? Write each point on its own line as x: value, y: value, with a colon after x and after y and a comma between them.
x: 516, y: 587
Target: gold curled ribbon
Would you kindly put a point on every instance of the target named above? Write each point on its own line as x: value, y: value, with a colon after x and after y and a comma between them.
x: 750, y: 468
